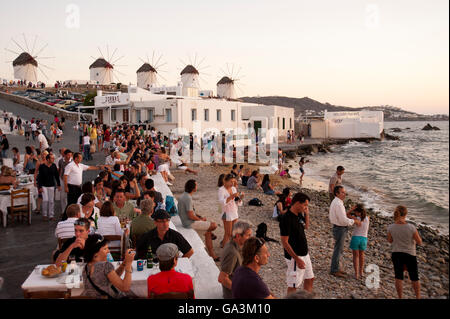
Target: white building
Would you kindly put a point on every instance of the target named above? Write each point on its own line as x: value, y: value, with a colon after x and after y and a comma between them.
x: 167, y: 112
x: 190, y: 80
x: 225, y: 88
x: 347, y: 125
x: 25, y: 68
x: 146, y: 76
x: 101, y: 72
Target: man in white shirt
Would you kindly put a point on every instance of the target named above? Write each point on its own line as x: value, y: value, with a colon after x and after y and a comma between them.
x: 73, y: 178
x: 66, y: 229
x: 340, y: 220
x: 43, y: 144
x: 33, y: 130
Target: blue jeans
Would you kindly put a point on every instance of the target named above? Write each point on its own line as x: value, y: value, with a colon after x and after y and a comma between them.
x: 339, y: 234
x: 87, y: 152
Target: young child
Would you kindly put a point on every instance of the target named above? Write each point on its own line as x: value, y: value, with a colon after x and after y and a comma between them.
x: 285, y: 173
x: 358, y: 243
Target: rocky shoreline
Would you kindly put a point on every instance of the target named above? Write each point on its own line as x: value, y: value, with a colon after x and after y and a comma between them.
x: 433, y: 257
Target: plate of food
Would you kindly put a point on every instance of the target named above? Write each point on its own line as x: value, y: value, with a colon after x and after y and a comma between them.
x: 51, y: 271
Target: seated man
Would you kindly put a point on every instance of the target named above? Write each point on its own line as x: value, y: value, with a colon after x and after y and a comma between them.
x: 74, y: 248
x: 150, y: 186
x: 232, y: 256
x: 182, y: 165
x: 143, y: 223
x: 191, y: 220
x: 254, y: 181
x: 122, y: 207
x: 65, y: 229
x: 162, y: 234
x: 169, y: 280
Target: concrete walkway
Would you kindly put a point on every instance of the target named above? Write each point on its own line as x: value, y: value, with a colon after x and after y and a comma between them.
x: 22, y: 247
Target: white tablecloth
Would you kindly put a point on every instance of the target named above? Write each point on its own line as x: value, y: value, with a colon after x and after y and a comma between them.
x: 5, y: 201
x: 37, y: 282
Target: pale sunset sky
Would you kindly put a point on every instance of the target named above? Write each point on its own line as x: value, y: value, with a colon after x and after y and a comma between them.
x: 350, y: 52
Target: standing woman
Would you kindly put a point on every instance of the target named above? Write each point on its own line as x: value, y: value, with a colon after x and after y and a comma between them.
x: 404, y: 236
x: 230, y: 199
x: 99, y: 137
x: 48, y: 178
x: 52, y: 133
x: 29, y: 161
x: 93, y: 137
x: 41, y: 160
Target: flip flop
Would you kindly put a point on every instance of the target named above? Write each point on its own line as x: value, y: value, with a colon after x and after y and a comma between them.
x: 213, y: 237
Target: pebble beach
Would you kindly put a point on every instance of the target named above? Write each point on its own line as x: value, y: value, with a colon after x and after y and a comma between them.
x: 433, y: 259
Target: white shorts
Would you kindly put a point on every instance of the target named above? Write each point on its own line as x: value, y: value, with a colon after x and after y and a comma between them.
x: 201, y: 225
x: 163, y: 168
x: 294, y: 279
x: 183, y: 168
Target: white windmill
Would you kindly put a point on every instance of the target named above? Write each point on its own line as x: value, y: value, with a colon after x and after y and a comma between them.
x: 190, y: 77
x: 226, y: 87
x: 148, y: 73
x: 27, y: 63
x: 102, y: 71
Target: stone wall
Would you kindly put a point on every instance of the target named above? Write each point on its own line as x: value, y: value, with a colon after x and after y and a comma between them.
x: 42, y: 107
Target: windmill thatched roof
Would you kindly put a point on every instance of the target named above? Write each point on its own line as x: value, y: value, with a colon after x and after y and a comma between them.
x: 225, y: 80
x: 25, y: 58
x: 189, y: 70
x: 146, y: 68
x: 101, y: 63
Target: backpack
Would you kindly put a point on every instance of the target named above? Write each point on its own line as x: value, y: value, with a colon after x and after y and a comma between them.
x: 261, y: 232
x: 170, y: 206
x: 255, y: 202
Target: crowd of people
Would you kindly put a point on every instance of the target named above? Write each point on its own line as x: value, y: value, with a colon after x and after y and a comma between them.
x: 122, y: 200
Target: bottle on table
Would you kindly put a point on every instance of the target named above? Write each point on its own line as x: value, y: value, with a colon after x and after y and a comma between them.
x: 149, y: 257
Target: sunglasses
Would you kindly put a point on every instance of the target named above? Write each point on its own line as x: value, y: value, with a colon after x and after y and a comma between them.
x: 80, y: 223
x: 260, y: 243
x: 100, y: 239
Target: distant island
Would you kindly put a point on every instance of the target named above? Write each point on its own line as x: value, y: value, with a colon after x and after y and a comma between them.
x: 306, y: 107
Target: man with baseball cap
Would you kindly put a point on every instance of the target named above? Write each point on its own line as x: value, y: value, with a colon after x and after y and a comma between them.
x: 162, y: 234
x: 169, y: 280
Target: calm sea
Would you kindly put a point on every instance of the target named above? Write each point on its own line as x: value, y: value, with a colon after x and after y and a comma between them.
x: 412, y: 171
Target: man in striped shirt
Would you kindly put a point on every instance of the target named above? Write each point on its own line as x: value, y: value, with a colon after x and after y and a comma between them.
x: 66, y: 229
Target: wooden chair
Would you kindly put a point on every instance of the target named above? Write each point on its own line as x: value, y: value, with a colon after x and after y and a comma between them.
x: 61, y: 242
x: 46, y: 294
x: 173, y: 295
x: 117, y: 251
x: 21, y: 210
